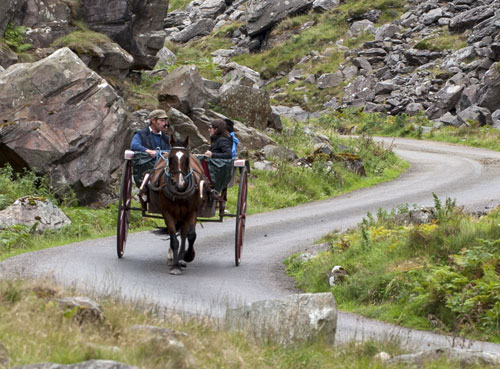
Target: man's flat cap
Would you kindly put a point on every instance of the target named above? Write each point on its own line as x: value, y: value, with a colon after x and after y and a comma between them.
x: 158, y: 113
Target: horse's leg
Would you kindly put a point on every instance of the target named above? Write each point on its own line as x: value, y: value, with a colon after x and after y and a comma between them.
x: 191, y: 236
x: 174, y: 244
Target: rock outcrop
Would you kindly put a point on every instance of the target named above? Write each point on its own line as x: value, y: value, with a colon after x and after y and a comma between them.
x: 32, y: 211
x: 61, y: 118
x: 289, y: 320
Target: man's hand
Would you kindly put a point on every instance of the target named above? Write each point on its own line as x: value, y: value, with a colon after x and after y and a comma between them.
x: 151, y: 153
x: 208, y: 154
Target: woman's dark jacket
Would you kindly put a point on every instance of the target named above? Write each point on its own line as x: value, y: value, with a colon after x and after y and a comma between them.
x: 222, y: 147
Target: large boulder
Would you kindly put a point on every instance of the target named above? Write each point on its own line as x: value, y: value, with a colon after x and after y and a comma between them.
x: 262, y: 15
x: 62, y: 119
x: 33, y: 211
x: 470, y: 18
x: 236, y: 74
x: 463, y: 357
x: 108, y: 59
x: 182, y: 89
x: 137, y: 26
x: 183, y: 126
x: 7, y: 56
x: 288, y: 320
x: 200, y: 28
x: 7, y: 11
x: 46, y: 20
x: 448, y: 97
x: 487, y: 96
x: 247, y: 104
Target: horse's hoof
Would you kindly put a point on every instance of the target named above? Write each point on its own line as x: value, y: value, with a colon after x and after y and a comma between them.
x: 189, y: 256
x: 175, y: 271
x: 182, y: 264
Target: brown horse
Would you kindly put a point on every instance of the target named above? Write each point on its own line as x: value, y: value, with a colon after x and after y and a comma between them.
x: 178, y: 180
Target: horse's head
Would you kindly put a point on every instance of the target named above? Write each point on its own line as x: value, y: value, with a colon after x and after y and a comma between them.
x: 178, y: 164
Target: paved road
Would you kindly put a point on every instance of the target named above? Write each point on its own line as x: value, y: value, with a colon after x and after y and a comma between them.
x: 212, y: 282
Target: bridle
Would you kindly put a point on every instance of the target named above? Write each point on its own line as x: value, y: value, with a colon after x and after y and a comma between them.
x: 168, y: 173
x: 169, y: 189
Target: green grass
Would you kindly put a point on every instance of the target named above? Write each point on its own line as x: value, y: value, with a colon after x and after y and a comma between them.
x: 358, y: 122
x: 14, y: 38
x: 177, y: 5
x: 442, y: 40
x: 441, y: 276
x: 34, y: 329
x: 83, y: 40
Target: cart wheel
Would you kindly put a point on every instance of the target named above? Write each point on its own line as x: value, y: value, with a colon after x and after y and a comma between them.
x: 124, y: 208
x: 241, y: 212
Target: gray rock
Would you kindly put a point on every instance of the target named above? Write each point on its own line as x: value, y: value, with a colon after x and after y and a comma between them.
x: 166, y: 56
x: 464, y: 357
x: 262, y: 15
x: 182, y: 89
x: 421, y: 57
x: 496, y: 119
x: 236, y: 74
x: 360, y: 90
x: 470, y: 18
x: 183, y: 126
x: 85, y: 309
x: 62, y: 117
x: 414, y: 109
x: 108, y: 59
x: 295, y: 112
x: 289, y: 320
x: 386, y: 31
x: 324, y: 5
x: 133, y: 25
x: 447, y: 98
x: 7, y: 10
x: 7, y: 57
x: 328, y: 80
x: 476, y: 114
x: 264, y: 165
x: 202, y: 27
x: 34, y: 210
x: 432, y: 16
x: 385, y: 87
x: 360, y: 27
x: 45, y: 21
x: 424, y: 215
x: 362, y: 63
x: 279, y: 152
x: 248, y: 104
x: 323, y: 148
x: 212, y: 8
x: 487, y: 95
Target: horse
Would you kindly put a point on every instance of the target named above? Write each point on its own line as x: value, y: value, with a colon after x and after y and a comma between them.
x: 180, y: 185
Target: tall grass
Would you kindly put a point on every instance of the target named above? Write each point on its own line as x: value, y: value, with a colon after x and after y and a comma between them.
x: 34, y: 329
x: 443, y: 275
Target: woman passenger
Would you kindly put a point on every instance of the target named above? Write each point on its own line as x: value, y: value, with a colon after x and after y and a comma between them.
x: 221, y: 143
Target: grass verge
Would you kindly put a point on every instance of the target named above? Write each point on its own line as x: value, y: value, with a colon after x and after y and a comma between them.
x: 442, y: 276
x: 34, y: 329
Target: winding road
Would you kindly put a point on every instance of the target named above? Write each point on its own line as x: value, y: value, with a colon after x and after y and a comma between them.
x: 212, y: 283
